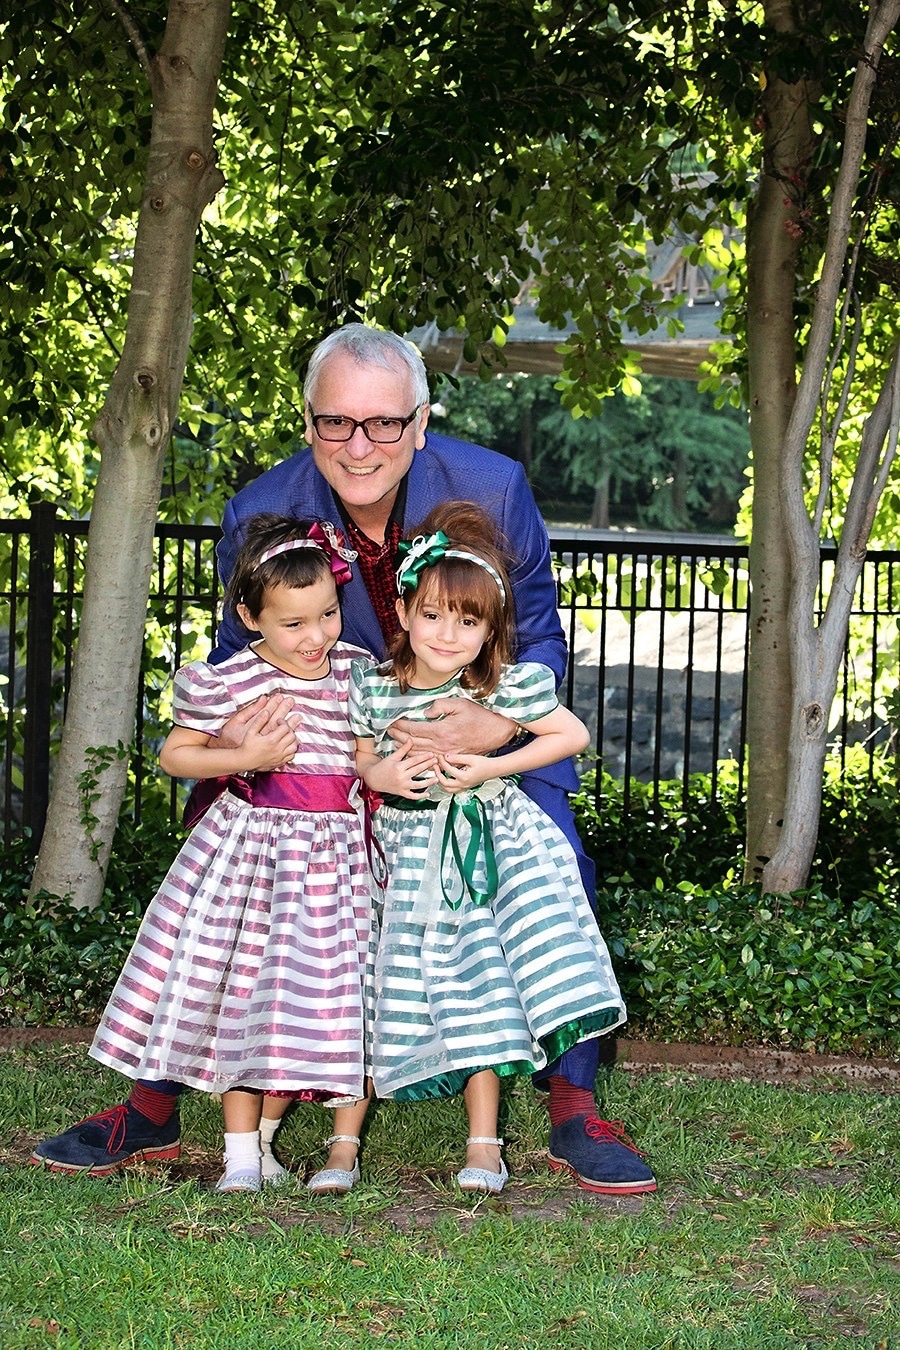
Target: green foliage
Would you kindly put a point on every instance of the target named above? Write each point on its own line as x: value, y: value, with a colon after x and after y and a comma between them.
x: 663, y: 834
x: 57, y: 963
x: 701, y: 956
x: 90, y: 786
x: 675, y: 832
x: 725, y: 965
x: 375, y: 168
x: 378, y: 166
x: 661, y: 458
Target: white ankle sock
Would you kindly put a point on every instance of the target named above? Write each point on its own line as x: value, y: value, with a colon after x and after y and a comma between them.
x: 242, y: 1153
x: 272, y: 1170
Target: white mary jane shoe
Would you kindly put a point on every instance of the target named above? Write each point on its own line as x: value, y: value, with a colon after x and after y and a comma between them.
x: 335, y: 1180
x: 478, y: 1178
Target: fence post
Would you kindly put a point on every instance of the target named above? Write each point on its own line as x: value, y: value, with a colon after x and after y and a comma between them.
x: 39, y: 668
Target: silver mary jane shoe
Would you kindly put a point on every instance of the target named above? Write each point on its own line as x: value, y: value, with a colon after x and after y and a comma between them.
x: 335, y: 1180
x: 478, y: 1178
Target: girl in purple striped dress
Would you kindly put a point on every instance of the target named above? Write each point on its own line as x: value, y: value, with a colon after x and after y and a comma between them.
x: 251, y: 967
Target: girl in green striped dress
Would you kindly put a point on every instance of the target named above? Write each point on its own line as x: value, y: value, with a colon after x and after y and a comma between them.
x: 490, y: 963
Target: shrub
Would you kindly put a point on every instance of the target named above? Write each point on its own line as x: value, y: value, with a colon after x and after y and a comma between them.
x: 701, y: 840
x: 806, y: 971
x: 58, y: 964
x: 699, y: 955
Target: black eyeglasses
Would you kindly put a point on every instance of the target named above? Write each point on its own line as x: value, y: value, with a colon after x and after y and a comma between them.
x: 379, y: 430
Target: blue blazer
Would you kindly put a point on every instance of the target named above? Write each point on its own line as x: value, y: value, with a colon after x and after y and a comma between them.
x: 443, y: 470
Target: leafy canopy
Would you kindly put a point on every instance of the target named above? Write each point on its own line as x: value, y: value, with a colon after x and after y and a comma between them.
x: 401, y: 162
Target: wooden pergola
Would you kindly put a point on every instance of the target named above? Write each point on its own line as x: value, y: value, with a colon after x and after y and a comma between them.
x: 531, y: 345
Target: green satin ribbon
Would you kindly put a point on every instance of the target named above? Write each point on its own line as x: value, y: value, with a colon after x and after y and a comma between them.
x: 419, y: 553
x: 480, y: 841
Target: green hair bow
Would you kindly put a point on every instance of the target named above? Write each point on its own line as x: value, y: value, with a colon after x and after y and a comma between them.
x: 417, y: 554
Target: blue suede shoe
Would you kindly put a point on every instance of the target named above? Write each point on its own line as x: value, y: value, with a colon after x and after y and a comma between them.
x: 600, y: 1156
x: 119, y: 1137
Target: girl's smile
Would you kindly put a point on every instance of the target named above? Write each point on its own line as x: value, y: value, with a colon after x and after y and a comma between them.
x: 300, y: 625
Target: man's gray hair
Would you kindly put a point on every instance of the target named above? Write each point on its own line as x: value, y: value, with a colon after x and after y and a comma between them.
x: 368, y: 347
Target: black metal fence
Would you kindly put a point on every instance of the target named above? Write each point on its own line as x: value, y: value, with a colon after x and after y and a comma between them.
x: 657, y: 628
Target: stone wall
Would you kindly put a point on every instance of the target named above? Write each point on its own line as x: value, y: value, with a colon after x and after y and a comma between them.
x: 660, y: 717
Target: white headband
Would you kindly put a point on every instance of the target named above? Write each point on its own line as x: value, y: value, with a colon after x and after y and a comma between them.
x: 426, y: 550
x: 286, y: 547
x: 472, y: 557
x: 323, y: 536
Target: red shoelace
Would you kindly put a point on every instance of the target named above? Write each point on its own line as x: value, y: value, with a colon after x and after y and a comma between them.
x: 114, y: 1117
x: 609, y: 1132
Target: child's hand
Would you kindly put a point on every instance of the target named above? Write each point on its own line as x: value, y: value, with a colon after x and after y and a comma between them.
x: 405, y: 772
x: 464, y: 772
x: 270, y: 745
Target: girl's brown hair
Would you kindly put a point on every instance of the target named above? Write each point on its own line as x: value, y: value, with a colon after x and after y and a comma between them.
x: 465, y: 587
x: 297, y: 568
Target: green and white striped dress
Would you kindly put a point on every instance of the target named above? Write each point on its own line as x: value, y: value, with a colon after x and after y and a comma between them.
x: 507, y: 982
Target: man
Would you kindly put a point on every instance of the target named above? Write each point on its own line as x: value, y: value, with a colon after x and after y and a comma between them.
x: 375, y: 470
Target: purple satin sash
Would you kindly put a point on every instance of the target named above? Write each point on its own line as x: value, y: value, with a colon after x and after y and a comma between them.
x: 289, y: 791
x: 294, y: 792
x: 204, y: 793
x: 302, y: 791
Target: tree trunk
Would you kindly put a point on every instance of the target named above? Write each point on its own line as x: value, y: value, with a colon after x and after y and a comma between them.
x: 772, y: 253
x: 816, y: 650
x: 133, y: 432
x: 600, y: 508
x: 817, y: 656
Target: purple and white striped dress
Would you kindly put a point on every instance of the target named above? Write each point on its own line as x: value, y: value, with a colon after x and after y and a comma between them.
x: 254, y: 962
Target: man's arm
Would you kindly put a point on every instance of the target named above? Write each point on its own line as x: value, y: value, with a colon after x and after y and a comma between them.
x: 539, y: 633
x: 557, y: 736
x: 455, y: 724
x: 231, y: 634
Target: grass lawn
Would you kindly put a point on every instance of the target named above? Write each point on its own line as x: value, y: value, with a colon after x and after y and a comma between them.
x: 777, y: 1224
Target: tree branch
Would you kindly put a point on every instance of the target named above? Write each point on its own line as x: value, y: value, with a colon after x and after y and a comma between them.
x: 872, y: 468
x: 883, y: 19
x: 121, y: 12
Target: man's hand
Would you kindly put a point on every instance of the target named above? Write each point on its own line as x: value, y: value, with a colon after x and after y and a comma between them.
x: 455, y: 724
x: 405, y: 772
x: 268, y: 724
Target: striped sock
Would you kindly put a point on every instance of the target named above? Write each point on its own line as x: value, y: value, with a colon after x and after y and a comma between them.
x: 566, y: 1101
x: 157, y: 1106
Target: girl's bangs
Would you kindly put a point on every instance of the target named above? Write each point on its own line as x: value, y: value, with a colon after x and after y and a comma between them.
x: 461, y: 586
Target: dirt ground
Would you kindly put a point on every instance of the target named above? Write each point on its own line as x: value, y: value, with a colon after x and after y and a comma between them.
x: 426, y: 1198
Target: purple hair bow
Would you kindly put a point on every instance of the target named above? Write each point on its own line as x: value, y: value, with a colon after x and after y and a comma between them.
x: 325, y: 535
